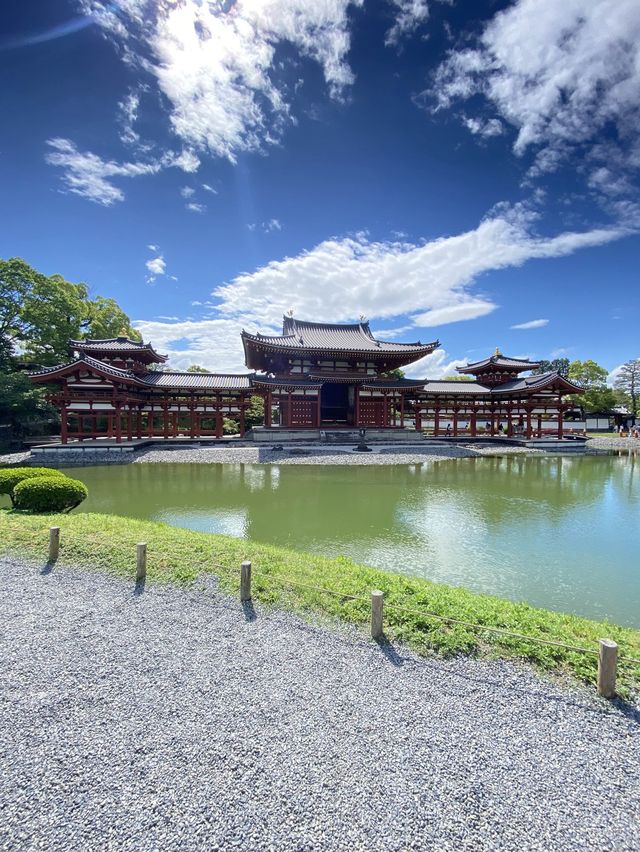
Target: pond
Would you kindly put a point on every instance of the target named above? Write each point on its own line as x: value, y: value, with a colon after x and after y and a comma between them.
x: 558, y: 532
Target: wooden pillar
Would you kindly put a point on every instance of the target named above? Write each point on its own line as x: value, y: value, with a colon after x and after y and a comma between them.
x: 242, y: 427
x: 418, y: 419
x: 474, y: 423
x: 110, y: 425
x: 218, y: 423
x: 139, y: 416
x: 385, y: 410
x: 319, y: 408
x: 560, y: 421
x: 455, y: 421
x: 528, y: 422
x: 150, y: 422
x: 436, y: 421
x: 118, y: 422
x: 165, y: 417
x: 356, y: 392
x: 493, y: 421
x: 174, y: 423
x: 63, y: 425
x: 268, y: 406
x: 289, y: 409
x: 539, y: 425
x: 402, y: 411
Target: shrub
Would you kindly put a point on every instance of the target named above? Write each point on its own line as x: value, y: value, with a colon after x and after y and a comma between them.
x: 11, y: 476
x: 49, y: 494
x: 230, y: 427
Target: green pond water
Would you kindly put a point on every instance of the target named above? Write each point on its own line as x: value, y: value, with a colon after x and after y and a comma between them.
x: 558, y: 532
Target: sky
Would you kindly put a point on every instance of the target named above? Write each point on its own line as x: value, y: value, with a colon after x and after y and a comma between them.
x: 466, y: 172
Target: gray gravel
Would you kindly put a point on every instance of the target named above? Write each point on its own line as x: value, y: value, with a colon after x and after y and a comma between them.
x: 172, y: 719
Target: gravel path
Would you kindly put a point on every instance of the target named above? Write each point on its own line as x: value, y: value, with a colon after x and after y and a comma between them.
x: 172, y: 719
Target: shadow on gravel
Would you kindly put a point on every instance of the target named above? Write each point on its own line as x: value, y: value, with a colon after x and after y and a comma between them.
x: 47, y: 568
x: 139, y: 588
x: 250, y: 613
x: 389, y: 652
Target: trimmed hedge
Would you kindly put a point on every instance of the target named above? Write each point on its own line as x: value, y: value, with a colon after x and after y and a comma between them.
x: 12, y: 476
x: 49, y: 494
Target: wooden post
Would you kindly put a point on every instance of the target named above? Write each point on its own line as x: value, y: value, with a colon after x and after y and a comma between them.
x: 607, y: 666
x: 245, y: 581
x: 63, y: 425
x: 54, y: 543
x: 436, y: 421
x: 141, y: 562
x: 376, y: 615
x: 268, y: 405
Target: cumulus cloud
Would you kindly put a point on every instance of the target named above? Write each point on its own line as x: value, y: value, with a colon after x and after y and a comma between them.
x: 216, y: 65
x: 538, y: 323
x: 187, y: 192
x: 434, y: 366
x: 410, y: 14
x: 564, y: 75
x: 89, y: 176
x: 156, y: 266
x: 423, y: 285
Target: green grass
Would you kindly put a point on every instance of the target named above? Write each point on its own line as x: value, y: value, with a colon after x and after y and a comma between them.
x: 107, y: 543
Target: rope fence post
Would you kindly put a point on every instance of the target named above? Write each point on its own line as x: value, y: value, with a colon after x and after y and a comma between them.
x: 245, y: 581
x: 141, y: 562
x: 54, y: 543
x: 376, y: 614
x: 607, y: 667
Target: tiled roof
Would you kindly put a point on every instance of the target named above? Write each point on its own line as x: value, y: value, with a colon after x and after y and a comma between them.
x: 499, y: 360
x: 197, y: 381
x: 356, y: 337
x: 285, y: 382
x: 93, y: 364
x: 114, y: 344
x: 394, y: 384
x: 537, y: 382
x: 460, y: 388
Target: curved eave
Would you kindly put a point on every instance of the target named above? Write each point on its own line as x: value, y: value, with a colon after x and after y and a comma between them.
x: 88, y: 347
x: 284, y: 384
x: 408, y: 352
x: 62, y: 370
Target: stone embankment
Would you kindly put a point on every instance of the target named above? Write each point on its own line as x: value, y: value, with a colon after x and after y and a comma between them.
x: 175, y: 719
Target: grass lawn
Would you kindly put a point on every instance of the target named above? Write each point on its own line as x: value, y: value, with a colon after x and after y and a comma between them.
x: 108, y: 543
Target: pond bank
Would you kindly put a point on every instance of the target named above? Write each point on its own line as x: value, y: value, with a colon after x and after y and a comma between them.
x: 108, y: 543
x: 175, y: 719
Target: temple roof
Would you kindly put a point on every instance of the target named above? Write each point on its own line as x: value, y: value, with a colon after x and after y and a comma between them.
x: 301, y: 336
x: 454, y: 388
x: 197, y: 381
x: 501, y: 362
x: 538, y: 382
x: 121, y: 345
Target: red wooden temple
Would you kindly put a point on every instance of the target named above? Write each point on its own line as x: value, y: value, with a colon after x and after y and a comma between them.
x: 312, y: 376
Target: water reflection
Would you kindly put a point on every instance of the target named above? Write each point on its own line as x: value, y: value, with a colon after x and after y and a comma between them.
x: 560, y: 532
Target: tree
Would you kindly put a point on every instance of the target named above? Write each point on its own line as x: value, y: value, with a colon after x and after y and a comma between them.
x: 592, y: 377
x: 196, y: 368
x: 105, y: 318
x: 459, y: 378
x: 23, y: 407
x: 254, y: 415
x: 628, y: 381
x: 558, y: 365
x: 393, y: 374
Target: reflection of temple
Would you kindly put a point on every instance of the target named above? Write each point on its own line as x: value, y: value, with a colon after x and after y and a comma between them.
x: 314, y: 375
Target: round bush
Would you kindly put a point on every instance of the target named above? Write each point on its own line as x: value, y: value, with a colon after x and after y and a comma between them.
x: 11, y: 476
x: 49, y: 494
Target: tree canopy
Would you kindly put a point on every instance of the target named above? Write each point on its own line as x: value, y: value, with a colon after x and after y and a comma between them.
x: 196, y: 368
x: 40, y: 313
x: 628, y: 382
x: 559, y: 365
x: 597, y: 397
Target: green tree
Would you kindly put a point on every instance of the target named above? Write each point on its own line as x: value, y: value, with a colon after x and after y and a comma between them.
x: 628, y: 381
x: 23, y: 408
x: 593, y: 378
x: 254, y: 415
x: 196, y: 368
x: 459, y: 378
x: 393, y: 374
x: 105, y: 318
x: 558, y: 365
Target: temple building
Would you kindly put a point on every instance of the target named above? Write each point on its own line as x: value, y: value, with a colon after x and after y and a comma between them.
x: 312, y: 376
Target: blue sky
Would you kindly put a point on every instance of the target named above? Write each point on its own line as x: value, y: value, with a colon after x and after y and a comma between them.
x: 450, y: 170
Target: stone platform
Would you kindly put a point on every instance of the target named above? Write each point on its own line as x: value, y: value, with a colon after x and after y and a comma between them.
x: 282, y: 435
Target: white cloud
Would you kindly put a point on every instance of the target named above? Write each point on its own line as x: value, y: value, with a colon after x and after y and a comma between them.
x: 187, y: 192
x: 268, y: 227
x: 128, y: 109
x: 195, y: 207
x: 539, y: 323
x: 89, y: 176
x: 153, y: 248
x: 156, y: 267
x: 340, y: 279
x: 216, y: 66
x: 484, y: 127
x: 185, y: 160
x: 561, y: 74
x: 410, y: 14
x: 434, y: 366
x: 208, y: 188
x: 467, y: 309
